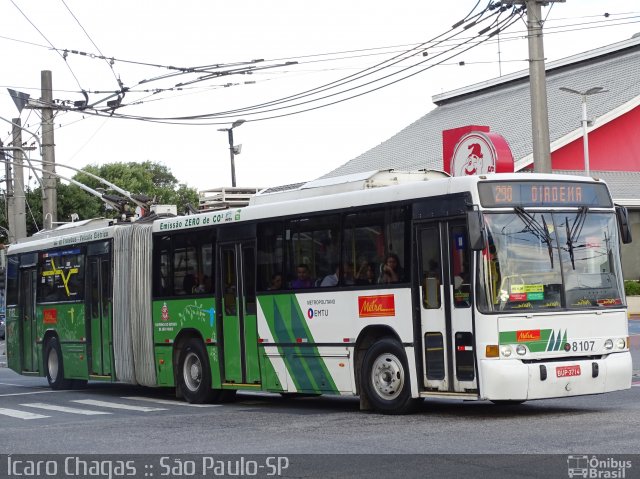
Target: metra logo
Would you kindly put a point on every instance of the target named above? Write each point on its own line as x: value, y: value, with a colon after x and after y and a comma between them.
x: 376, y: 306
x: 609, y: 301
x: 528, y: 335
x: 49, y: 316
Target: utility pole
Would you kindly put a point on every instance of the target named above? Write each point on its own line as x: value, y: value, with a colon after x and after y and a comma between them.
x: 537, y: 84
x: 50, y: 197
x: 16, y: 201
x: 538, y: 90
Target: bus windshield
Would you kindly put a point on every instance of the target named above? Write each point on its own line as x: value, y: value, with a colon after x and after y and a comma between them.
x: 549, y: 261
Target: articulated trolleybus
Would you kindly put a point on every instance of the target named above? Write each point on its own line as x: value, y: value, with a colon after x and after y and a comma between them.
x: 505, y: 287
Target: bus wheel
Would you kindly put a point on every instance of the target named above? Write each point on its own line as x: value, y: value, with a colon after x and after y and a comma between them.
x: 194, y: 375
x: 385, y: 378
x: 53, y: 366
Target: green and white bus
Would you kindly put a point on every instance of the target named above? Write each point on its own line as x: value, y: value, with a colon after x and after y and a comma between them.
x: 504, y: 287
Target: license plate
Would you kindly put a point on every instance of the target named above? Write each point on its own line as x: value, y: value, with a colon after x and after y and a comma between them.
x: 565, y: 371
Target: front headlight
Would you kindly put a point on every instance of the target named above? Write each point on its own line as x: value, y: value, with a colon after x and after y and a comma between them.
x: 521, y: 350
x: 608, y: 344
x: 505, y: 351
x: 621, y: 343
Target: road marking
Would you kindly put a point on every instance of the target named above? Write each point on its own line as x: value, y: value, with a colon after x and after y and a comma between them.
x: 115, y: 405
x: 72, y: 410
x: 169, y: 401
x: 21, y: 414
x: 26, y: 394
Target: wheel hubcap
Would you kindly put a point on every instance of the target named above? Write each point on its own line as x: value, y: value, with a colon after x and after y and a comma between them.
x: 52, y: 365
x: 192, y: 372
x: 387, y: 376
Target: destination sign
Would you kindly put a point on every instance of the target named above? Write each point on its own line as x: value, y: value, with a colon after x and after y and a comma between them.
x: 543, y: 193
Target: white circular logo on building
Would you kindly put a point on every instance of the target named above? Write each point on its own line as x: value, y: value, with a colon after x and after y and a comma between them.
x: 474, y: 154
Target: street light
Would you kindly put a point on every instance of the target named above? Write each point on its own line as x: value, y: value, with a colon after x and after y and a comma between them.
x: 585, y: 121
x: 233, y: 150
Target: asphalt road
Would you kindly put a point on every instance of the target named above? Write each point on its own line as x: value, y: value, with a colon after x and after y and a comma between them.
x: 321, y: 437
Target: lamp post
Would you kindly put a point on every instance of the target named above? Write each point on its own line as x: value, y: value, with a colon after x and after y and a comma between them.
x: 585, y: 121
x: 232, y: 149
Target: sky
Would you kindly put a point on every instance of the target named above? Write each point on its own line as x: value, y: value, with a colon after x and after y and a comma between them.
x: 180, y: 60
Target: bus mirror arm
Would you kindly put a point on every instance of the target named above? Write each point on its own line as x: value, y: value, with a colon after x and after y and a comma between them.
x: 477, y: 231
x: 623, y: 222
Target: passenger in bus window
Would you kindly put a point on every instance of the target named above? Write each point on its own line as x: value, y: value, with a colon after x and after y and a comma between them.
x: 391, y: 271
x: 303, y: 278
x: 203, y: 285
x: 276, y: 282
x: 331, y: 279
x: 366, y: 274
x: 188, y: 283
x: 334, y: 278
x: 434, y: 269
x: 347, y: 275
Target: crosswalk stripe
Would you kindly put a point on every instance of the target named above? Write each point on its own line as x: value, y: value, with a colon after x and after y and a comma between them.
x: 72, y: 410
x: 21, y: 414
x: 113, y: 405
x: 29, y: 393
x: 169, y: 401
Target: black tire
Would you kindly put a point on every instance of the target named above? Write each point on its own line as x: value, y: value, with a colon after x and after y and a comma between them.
x: 194, y: 373
x: 385, y: 378
x: 53, y: 365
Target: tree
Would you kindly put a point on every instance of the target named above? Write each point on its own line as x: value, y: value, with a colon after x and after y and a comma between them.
x: 147, y: 178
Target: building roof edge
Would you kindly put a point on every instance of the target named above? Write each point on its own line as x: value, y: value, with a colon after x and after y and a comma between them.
x: 577, y: 58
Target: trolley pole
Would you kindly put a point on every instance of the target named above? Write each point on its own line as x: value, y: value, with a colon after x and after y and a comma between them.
x: 50, y: 198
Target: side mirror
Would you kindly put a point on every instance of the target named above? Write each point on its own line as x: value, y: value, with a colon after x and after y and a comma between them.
x: 623, y: 222
x: 477, y: 232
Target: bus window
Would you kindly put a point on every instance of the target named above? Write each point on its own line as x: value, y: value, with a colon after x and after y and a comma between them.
x: 270, y: 256
x: 371, y: 237
x: 162, y: 278
x: 13, y: 263
x: 460, y: 273
x: 61, y: 276
x: 430, y: 267
x: 313, y: 242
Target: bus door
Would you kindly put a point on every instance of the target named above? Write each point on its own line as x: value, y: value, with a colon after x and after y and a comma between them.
x: 28, y: 319
x: 239, y: 310
x: 98, y: 308
x: 445, y: 307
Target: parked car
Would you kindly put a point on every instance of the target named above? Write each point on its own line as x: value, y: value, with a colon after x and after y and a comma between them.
x: 1, y: 327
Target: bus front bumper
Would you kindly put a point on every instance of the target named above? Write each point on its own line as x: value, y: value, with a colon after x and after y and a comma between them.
x: 512, y: 379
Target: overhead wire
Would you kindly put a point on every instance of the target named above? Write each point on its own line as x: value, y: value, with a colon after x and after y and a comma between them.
x: 110, y: 64
x: 334, y: 84
x: 316, y: 107
x: 505, y: 39
x: 402, y: 56
x: 52, y: 46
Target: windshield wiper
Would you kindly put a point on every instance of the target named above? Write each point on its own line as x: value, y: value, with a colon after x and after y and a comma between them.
x: 548, y: 240
x: 541, y: 232
x: 574, y: 233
